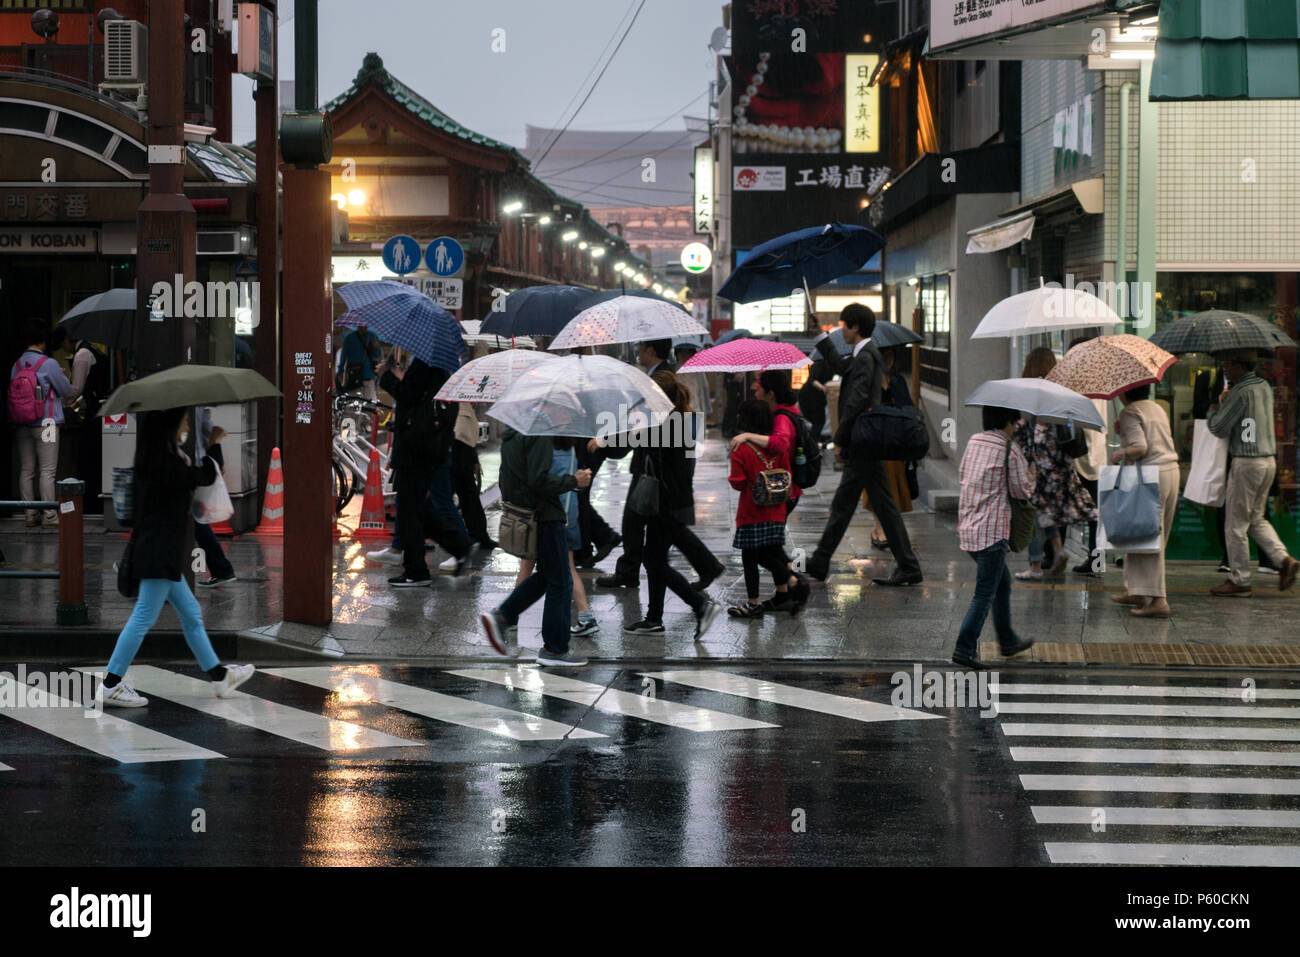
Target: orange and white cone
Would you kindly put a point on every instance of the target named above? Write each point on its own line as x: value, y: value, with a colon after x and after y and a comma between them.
x: 273, y: 503
x: 372, y: 524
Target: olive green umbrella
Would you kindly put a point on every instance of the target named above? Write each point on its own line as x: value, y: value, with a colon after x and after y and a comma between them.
x: 188, y: 385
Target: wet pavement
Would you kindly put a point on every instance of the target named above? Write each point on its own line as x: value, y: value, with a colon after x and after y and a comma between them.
x: 848, y: 618
x: 788, y: 764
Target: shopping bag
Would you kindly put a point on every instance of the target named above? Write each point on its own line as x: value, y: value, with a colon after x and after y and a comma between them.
x: 212, y: 503
x: 1129, y: 515
x: 1207, y: 481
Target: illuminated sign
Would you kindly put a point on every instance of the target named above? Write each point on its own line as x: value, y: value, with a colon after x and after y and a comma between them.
x: 861, y: 104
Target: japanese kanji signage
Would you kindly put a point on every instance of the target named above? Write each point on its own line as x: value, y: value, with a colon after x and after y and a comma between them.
x: 959, y: 21
x: 703, y: 190
x: 37, y: 204
x: 861, y: 104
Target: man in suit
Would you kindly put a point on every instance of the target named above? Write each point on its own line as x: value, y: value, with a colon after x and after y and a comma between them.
x: 863, y: 377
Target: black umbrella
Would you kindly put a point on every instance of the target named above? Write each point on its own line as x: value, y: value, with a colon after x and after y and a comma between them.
x: 108, y: 317
x: 1217, y: 330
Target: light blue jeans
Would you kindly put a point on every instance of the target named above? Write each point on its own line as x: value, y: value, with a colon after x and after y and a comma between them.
x: 1038, y: 545
x: 153, y: 592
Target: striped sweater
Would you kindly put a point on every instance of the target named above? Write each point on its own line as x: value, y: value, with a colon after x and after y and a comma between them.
x: 1246, y: 413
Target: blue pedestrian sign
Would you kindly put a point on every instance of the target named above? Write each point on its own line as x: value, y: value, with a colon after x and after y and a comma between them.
x: 444, y: 256
x: 401, y: 255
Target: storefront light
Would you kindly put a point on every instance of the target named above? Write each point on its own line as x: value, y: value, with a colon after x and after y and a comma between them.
x: 544, y: 221
x: 619, y: 266
x: 513, y: 206
x: 356, y: 198
x: 597, y: 252
x: 339, y: 200
x: 582, y: 245
x: 570, y: 235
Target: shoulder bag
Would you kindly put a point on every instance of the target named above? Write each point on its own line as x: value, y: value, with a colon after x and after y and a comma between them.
x: 1024, y: 518
x: 517, y: 534
x: 128, y: 585
x: 643, y: 497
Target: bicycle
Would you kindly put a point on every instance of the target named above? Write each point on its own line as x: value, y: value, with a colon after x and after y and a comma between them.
x: 351, y: 448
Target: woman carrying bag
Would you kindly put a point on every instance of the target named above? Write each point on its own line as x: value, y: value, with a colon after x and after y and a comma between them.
x: 1144, y: 430
x: 164, y: 487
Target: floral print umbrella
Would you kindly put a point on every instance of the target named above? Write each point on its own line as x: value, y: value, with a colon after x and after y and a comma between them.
x: 626, y: 319
x: 1103, y: 368
x: 747, y: 355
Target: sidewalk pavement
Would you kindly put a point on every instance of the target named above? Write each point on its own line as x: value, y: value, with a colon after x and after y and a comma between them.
x: 848, y: 619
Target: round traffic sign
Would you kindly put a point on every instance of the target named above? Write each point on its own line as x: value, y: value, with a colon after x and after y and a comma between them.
x: 444, y: 256
x: 696, y: 257
x: 401, y: 255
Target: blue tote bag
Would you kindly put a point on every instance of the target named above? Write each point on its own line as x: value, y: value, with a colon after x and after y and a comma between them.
x: 1131, y: 514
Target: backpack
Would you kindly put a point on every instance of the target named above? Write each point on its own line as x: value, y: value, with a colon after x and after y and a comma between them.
x: 26, y: 405
x: 771, y: 485
x: 806, y: 457
x: 428, y: 427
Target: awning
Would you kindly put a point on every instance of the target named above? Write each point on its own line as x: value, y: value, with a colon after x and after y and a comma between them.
x: 1227, y: 50
x: 1000, y: 234
x: 1087, y: 194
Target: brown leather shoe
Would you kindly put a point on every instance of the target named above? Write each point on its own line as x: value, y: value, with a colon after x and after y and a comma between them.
x: 1230, y: 589
x: 1286, y: 578
x: 1122, y: 598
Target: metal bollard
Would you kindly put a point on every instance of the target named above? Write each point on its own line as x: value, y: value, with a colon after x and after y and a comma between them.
x: 72, y: 558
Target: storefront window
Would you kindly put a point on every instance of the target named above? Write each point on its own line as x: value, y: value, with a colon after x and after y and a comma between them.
x: 936, y: 326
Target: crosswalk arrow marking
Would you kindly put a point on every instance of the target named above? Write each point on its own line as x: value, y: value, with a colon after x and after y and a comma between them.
x: 854, y: 709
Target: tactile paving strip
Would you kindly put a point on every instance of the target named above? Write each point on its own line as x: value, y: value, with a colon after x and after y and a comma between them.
x: 1148, y: 653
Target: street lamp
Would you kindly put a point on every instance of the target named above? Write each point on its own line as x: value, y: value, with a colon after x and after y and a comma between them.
x: 597, y: 252
x: 513, y: 206
x: 356, y: 198
x: 544, y: 221
x: 582, y: 245
x: 570, y: 235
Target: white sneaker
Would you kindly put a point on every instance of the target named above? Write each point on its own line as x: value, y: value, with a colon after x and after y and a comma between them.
x: 236, y: 675
x: 120, y: 696
x: 450, y: 565
x: 385, y: 556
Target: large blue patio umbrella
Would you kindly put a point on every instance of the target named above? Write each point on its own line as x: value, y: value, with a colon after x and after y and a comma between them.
x: 804, y: 258
x: 537, y: 310
x: 404, y: 316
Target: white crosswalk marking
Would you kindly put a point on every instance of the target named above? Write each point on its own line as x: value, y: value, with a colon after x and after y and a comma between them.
x: 1246, y: 712
x: 1145, y: 691
x: 302, y: 726
x: 5, y: 767
x: 1183, y: 732
x: 357, y: 686
x: 1201, y: 855
x: 842, y: 707
x: 104, y: 734
x: 1273, y: 759
x: 1168, y: 816
x: 609, y: 701
x: 1164, y: 784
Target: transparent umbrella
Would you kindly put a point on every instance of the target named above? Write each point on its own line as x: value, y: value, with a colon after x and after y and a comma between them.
x: 486, y: 379
x: 626, y: 319
x: 581, y: 396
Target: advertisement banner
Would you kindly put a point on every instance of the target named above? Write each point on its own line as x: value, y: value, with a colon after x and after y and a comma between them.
x: 960, y: 21
x: 750, y: 179
x: 703, y: 190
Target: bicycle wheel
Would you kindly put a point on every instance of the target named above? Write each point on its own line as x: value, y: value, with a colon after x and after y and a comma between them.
x: 343, y: 490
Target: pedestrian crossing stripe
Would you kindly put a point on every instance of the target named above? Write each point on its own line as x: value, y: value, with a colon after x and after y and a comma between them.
x: 1246, y: 711
x: 790, y: 696
x: 305, y: 727
x: 5, y: 767
x: 610, y: 701
x: 1187, y: 732
x: 357, y: 686
x: 1168, y: 816
x: 104, y: 734
x: 1164, y: 784
x: 1201, y: 855
x: 1279, y: 759
x: 1146, y: 691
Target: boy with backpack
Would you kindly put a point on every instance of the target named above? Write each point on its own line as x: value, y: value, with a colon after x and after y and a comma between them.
x: 36, y: 385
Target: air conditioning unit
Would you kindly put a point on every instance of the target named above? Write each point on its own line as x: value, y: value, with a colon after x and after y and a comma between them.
x: 224, y: 242
x: 126, y: 53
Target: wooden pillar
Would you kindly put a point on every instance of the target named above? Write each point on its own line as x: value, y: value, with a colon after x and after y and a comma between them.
x: 266, y: 335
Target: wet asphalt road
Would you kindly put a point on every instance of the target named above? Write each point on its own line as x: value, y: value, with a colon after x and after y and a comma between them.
x: 712, y: 766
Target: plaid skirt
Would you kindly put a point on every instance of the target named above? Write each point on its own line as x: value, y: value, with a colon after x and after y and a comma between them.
x: 759, y: 535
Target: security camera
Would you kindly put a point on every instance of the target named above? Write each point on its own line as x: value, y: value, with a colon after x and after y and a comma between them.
x: 45, y: 23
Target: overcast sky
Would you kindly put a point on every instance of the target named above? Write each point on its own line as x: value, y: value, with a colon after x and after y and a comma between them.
x: 443, y: 50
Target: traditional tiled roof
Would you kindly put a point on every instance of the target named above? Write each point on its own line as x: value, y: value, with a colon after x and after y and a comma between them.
x: 1227, y: 49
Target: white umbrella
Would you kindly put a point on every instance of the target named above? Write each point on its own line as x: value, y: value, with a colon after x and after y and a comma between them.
x: 626, y: 319
x: 1046, y: 400
x: 473, y: 335
x: 1046, y: 309
x: 486, y: 379
x: 581, y: 396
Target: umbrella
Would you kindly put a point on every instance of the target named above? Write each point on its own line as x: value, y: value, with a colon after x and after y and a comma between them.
x: 581, y: 396
x: 486, y: 378
x: 1217, y: 330
x: 1046, y: 309
x: 626, y: 319
x: 108, y: 317
x: 608, y: 294
x: 747, y: 355
x: 404, y: 316
x: 537, y: 310
x: 885, y: 335
x: 1046, y: 400
x: 473, y: 333
x: 732, y: 334
x: 804, y: 258
x: 188, y: 385
x: 1103, y: 368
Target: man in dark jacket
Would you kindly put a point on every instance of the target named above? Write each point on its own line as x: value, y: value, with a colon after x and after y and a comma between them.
x: 527, y: 482
x: 422, y: 437
x: 863, y: 376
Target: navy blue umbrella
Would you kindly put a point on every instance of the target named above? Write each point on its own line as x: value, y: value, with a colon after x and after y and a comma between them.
x: 403, y: 316
x: 537, y: 310
x: 731, y: 334
x: 806, y: 257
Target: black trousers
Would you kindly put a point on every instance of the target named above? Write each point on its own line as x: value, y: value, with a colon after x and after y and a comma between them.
x: 417, y: 520
x: 659, y: 535
x: 866, y: 474
x: 1091, y: 486
x: 595, y: 531
x: 771, y: 557
x: 635, y: 531
x: 218, y: 564
x: 464, y: 479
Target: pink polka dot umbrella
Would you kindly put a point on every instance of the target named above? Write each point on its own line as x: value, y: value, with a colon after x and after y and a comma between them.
x: 747, y: 355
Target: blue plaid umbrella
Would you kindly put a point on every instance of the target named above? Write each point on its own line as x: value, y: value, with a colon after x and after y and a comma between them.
x: 405, y: 317
x: 537, y: 310
x: 806, y: 257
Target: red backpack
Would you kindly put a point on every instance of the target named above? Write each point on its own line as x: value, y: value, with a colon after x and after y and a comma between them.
x: 26, y: 397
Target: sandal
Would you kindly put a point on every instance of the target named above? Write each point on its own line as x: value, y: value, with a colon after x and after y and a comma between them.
x: 880, y: 543
x: 745, y: 611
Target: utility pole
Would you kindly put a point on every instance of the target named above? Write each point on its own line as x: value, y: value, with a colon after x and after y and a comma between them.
x: 165, y: 222
x: 266, y: 335
x: 722, y: 189
x: 307, y: 348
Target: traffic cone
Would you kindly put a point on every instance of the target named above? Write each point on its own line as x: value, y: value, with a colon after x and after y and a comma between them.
x: 273, y: 503
x: 372, y: 506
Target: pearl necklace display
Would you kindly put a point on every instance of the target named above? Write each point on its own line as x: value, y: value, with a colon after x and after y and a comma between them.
x: 772, y: 138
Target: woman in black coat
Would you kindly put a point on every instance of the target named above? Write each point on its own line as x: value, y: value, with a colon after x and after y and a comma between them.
x: 164, y: 488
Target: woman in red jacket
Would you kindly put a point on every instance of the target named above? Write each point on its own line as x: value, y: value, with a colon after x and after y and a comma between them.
x: 760, y: 529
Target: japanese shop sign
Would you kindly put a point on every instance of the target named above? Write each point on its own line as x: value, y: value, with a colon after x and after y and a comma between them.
x: 755, y: 178
x: 861, y: 104
x: 959, y: 21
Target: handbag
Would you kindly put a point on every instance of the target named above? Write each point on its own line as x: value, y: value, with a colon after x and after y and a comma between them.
x: 128, y: 585
x: 1024, y: 517
x: 517, y: 534
x: 1072, y: 441
x: 771, y: 486
x: 1207, y: 480
x: 891, y: 434
x: 643, y: 497
x: 913, y: 482
x: 212, y: 503
x: 1130, y: 513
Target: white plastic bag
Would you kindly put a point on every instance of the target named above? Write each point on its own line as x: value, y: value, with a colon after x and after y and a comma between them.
x: 212, y: 502
x: 1207, y: 481
x: 1106, y: 481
